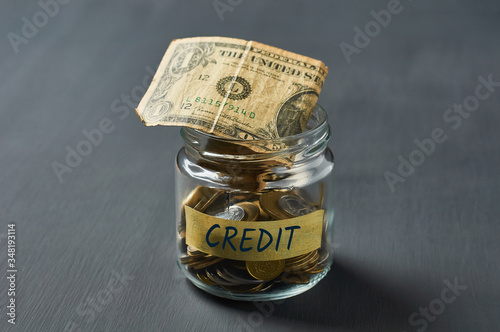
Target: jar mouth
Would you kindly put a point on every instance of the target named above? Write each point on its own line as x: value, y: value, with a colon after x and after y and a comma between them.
x: 317, y: 123
x: 302, y: 145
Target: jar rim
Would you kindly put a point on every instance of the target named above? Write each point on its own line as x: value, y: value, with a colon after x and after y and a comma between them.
x: 319, y: 116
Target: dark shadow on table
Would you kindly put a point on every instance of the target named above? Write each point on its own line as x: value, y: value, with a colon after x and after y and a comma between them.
x: 343, y: 299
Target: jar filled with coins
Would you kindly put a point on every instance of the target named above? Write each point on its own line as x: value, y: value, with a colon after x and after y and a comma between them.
x: 254, y: 217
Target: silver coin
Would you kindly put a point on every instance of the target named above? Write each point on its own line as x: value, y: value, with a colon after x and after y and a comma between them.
x: 233, y: 275
x: 295, y: 206
x: 212, y: 275
x: 234, y: 212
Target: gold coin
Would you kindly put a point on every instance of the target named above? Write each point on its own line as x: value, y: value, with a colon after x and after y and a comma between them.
x: 203, y: 277
x: 266, y: 270
x: 217, y: 205
x: 270, y: 205
x: 296, y: 278
x: 240, y: 265
x: 251, y: 211
x: 322, y: 262
x: 238, y: 197
x: 304, y: 263
x: 189, y: 260
x: 194, y: 197
x: 211, y: 195
x: 308, y: 268
x: 289, y: 262
x: 201, y: 197
x: 317, y: 269
x: 193, y: 252
x: 293, y: 260
x: 263, y: 216
x: 206, y: 263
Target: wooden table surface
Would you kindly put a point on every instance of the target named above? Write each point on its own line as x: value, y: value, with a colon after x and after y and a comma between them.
x: 416, y: 245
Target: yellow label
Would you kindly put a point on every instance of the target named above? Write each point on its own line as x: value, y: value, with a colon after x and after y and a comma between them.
x: 254, y: 240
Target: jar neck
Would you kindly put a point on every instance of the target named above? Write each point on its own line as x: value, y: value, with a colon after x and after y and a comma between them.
x: 299, y: 148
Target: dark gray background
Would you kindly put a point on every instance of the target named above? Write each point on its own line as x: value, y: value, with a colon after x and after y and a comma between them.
x: 115, y: 211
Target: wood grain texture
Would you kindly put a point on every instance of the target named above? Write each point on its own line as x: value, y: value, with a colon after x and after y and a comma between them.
x: 114, y: 213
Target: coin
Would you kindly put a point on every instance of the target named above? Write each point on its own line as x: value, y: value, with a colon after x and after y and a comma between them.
x: 317, y: 269
x: 308, y: 267
x: 302, y: 263
x: 266, y: 286
x: 249, y: 180
x: 193, y: 252
x: 292, y: 261
x: 265, y: 270
x: 297, y: 259
x: 240, y: 265
x: 227, y: 277
x: 230, y: 273
x: 211, y: 194
x: 213, y: 276
x: 296, y: 278
x: 233, y: 212
x: 203, y: 278
x: 309, y: 195
x: 269, y: 203
x: 194, y: 197
x: 243, y: 211
x: 251, y: 210
x: 263, y: 216
x: 201, y: 197
x: 323, y: 255
x: 322, y: 261
x: 204, y: 263
x: 241, y: 197
x: 246, y: 277
x: 295, y: 206
x: 284, y: 205
x: 185, y: 259
x: 189, y: 260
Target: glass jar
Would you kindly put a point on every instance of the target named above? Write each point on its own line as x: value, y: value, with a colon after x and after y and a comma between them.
x: 254, y: 225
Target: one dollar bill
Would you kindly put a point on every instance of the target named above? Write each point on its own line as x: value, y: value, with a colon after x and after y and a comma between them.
x: 233, y: 88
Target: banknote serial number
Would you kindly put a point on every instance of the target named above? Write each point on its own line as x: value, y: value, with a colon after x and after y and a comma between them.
x: 217, y: 103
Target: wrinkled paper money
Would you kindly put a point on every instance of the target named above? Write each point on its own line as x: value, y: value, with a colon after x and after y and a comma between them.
x: 233, y: 88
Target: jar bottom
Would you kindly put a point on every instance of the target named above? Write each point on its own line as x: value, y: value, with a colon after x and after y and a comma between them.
x: 279, y: 291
